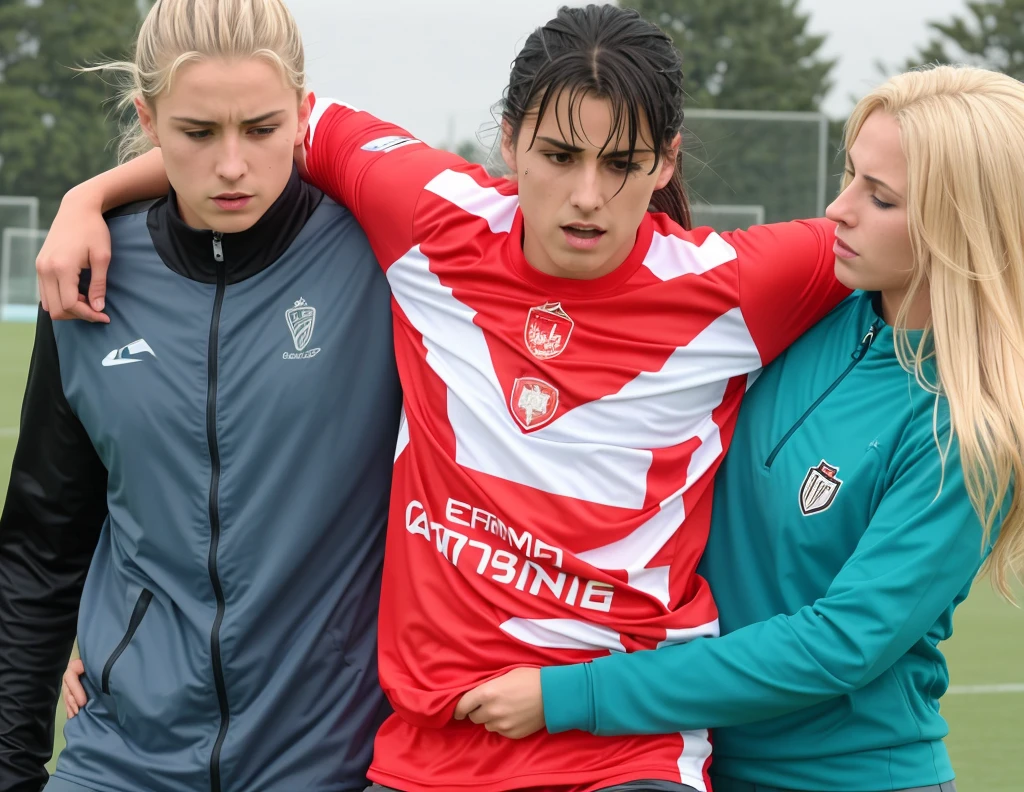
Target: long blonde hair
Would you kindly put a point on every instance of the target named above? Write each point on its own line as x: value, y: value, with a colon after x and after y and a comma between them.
x: 962, y: 131
x: 176, y: 32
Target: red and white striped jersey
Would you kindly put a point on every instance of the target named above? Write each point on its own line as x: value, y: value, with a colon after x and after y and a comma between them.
x: 553, y: 478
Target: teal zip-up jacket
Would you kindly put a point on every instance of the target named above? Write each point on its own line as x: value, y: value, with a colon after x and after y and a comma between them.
x: 836, y: 562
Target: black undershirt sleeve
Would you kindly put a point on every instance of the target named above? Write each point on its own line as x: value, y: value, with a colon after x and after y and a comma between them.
x: 55, y: 508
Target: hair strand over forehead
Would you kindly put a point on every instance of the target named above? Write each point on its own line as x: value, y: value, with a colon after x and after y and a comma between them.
x: 604, y: 52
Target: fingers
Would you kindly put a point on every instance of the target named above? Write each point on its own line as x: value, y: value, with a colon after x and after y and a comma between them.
x: 67, y: 290
x: 74, y: 693
x: 99, y: 261
x: 49, y: 294
x: 81, y: 310
x: 469, y: 702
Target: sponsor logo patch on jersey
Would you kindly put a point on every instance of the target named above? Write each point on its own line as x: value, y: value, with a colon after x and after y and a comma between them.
x: 124, y: 355
x: 390, y: 143
x: 301, y: 319
x: 547, y: 332
x: 533, y: 402
x: 819, y: 489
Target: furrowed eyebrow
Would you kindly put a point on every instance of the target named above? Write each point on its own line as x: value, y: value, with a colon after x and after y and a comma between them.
x: 246, y: 122
x: 872, y: 179
x: 561, y: 144
x: 625, y: 153
x: 607, y: 155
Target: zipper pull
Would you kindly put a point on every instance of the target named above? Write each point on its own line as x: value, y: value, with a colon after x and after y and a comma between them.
x: 218, y: 249
x: 867, y: 340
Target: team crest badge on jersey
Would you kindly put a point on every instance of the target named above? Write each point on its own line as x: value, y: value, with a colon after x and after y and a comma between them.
x: 819, y: 488
x: 300, y: 320
x: 533, y: 402
x: 548, y: 328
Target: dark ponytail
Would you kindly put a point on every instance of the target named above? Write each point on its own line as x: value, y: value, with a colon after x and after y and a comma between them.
x: 611, y: 53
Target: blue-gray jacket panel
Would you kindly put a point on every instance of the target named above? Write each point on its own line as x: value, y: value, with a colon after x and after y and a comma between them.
x: 248, y: 432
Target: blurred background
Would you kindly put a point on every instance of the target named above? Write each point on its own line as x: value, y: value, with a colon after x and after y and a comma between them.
x: 769, y: 81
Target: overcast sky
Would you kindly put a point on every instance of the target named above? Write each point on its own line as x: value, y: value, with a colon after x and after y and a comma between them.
x: 437, y: 66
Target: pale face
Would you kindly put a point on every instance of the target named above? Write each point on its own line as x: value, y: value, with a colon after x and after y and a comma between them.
x: 227, y: 130
x: 873, y: 249
x: 581, y: 206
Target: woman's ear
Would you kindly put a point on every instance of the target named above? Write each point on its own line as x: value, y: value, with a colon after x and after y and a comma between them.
x: 147, y: 118
x: 508, y: 150
x: 305, y: 111
x: 668, y: 163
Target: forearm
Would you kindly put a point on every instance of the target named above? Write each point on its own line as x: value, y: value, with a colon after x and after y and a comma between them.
x: 136, y: 180
x: 917, y: 557
x: 759, y: 673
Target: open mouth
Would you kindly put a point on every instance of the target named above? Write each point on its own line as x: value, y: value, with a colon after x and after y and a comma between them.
x: 583, y: 238
x: 584, y: 232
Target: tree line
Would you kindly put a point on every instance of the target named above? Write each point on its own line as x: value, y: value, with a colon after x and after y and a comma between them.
x: 58, y: 125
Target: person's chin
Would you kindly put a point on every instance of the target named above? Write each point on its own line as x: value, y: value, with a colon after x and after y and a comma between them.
x: 848, y: 274
x: 235, y: 222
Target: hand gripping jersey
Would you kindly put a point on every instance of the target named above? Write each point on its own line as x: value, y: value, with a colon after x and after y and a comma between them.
x: 553, y: 476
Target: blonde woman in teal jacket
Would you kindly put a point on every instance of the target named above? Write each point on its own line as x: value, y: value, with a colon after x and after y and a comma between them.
x: 870, y: 475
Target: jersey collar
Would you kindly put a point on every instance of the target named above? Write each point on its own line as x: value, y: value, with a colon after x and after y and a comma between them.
x: 189, y: 251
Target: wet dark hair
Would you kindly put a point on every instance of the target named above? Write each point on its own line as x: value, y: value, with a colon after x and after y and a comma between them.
x: 610, y: 53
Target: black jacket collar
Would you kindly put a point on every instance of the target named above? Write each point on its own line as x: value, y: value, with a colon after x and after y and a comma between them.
x: 190, y: 252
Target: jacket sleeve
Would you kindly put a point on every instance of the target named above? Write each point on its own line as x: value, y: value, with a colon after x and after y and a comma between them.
x: 916, y: 559
x: 787, y: 280
x: 55, y: 508
x: 375, y: 169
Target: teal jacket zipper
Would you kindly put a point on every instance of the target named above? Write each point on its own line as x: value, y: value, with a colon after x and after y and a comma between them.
x: 858, y: 356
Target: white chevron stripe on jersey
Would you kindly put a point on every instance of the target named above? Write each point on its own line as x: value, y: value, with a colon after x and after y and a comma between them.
x: 660, y: 409
x: 696, y: 750
x: 670, y: 257
x: 462, y: 190
x: 599, y: 451
x: 653, y: 581
x: 633, y: 552
x: 486, y: 437
x: 563, y: 634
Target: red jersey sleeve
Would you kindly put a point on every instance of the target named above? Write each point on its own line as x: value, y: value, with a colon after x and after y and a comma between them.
x: 375, y: 169
x: 787, y: 280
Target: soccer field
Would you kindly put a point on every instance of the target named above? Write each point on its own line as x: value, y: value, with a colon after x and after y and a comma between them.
x: 985, y: 706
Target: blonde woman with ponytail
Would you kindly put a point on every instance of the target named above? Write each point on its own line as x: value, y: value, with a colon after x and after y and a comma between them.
x: 198, y: 457
x: 873, y: 471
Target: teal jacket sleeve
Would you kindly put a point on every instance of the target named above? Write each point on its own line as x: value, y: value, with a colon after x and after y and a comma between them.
x: 921, y: 549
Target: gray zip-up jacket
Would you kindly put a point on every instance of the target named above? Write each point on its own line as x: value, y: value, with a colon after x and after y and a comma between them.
x: 222, y: 453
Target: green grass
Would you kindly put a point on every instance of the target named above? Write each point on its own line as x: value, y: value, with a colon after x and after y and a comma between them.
x: 987, y: 647
x: 15, y: 350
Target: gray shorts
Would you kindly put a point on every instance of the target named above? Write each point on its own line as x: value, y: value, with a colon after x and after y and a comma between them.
x: 632, y: 786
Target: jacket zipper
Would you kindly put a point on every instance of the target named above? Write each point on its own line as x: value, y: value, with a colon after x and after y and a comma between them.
x: 211, y: 437
x: 141, y: 606
x: 858, y: 356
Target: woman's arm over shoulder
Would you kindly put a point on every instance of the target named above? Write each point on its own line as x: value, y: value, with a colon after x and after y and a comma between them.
x: 787, y: 280
x: 374, y: 168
